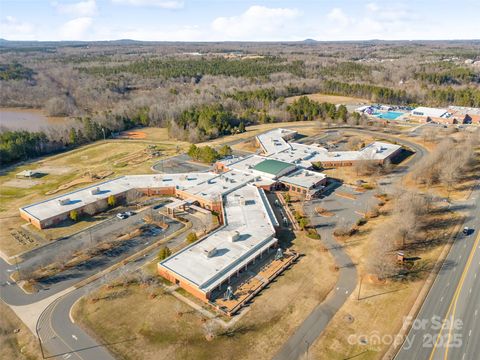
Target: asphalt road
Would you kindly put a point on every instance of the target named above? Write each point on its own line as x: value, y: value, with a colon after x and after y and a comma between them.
x: 312, y: 327
x: 318, y: 319
x: 62, y: 337
x: 68, y: 341
x: 448, y: 323
x: 13, y: 295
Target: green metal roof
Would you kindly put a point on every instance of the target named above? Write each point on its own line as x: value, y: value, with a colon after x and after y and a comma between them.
x: 272, y: 167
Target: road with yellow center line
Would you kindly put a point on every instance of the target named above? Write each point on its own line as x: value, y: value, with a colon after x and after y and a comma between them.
x: 448, y: 324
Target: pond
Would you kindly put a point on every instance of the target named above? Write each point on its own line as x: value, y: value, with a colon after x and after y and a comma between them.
x: 28, y: 119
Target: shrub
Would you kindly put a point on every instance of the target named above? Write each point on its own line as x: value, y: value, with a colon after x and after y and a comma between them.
x: 192, y: 237
x: 74, y: 215
x: 367, y: 186
x: 164, y: 253
x: 312, y: 234
x: 361, y: 221
x: 111, y: 201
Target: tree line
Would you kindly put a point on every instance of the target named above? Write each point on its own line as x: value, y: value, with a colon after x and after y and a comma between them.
x: 208, y: 154
x: 15, y: 71
x: 305, y: 109
x: 372, y: 92
x: 456, y: 76
x: 466, y: 96
x: 196, y: 68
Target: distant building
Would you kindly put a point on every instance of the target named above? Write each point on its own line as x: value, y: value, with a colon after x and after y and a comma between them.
x: 427, y: 112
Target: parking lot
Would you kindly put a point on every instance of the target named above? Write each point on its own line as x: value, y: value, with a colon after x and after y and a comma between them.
x: 179, y: 164
x: 108, y: 230
x: 346, y: 210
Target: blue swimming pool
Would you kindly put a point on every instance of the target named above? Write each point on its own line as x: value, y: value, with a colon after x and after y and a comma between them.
x: 389, y: 115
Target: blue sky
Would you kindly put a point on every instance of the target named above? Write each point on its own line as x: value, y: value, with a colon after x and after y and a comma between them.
x: 230, y: 20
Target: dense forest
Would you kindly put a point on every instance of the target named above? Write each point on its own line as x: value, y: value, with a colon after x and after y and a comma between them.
x: 196, y: 68
x: 205, y: 90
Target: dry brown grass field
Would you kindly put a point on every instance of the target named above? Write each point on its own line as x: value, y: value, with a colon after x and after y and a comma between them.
x: 333, y: 99
x: 165, y: 328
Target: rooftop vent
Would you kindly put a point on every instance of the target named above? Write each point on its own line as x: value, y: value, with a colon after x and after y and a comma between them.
x: 234, y: 236
x: 210, y: 252
x: 65, y: 201
x: 95, y: 191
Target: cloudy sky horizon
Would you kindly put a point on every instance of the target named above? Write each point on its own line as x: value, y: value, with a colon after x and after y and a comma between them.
x: 239, y: 20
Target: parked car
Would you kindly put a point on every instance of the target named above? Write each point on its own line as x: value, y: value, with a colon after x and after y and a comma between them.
x: 122, y: 216
x: 129, y: 213
x: 466, y: 230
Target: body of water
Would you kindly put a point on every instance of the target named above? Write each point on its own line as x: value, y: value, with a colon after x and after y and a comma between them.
x: 28, y: 119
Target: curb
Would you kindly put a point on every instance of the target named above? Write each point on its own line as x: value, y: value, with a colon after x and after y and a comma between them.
x: 133, y: 257
x: 391, y: 353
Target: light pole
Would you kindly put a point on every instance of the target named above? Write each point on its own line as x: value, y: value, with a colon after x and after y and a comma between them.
x: 18, y: 269
x: 359, y: 288
x: 308, y: 345
x: 38, y: 337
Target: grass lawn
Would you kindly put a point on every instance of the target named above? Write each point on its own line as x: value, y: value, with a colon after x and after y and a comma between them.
x: 165, y: 328
x: 20, y: 346
x: 372, y: 314
x: 112, y: 156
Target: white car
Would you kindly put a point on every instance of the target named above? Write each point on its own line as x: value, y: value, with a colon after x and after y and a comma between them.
x: 129, y: 213
x: 122, y: 216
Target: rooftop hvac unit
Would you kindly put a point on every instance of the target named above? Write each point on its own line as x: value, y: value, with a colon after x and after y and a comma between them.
x: 65, y: 201
x: 95, y: 191
x: 234, y: 236
x: 210, y: 252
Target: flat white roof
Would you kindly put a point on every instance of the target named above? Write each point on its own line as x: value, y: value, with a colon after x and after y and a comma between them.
x: 304, y: 178
x: 428, y: 111
x: 248, y: 213
x: 464, y: 110
x: 244, y: 164
x: 52, y: 207
x: 305, y: 155
x: 221, y: 184
x: 273, y: 141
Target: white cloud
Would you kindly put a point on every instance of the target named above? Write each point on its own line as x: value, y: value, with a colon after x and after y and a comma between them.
x: 337, y: 16
x: 180, y: 33
x: 82, y: 8
x: 75, y: 29
x: 390, y: 22
x: 13, y: 29
x: 372, y: 7
x: 165, y: 4
x: 258, y: 23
